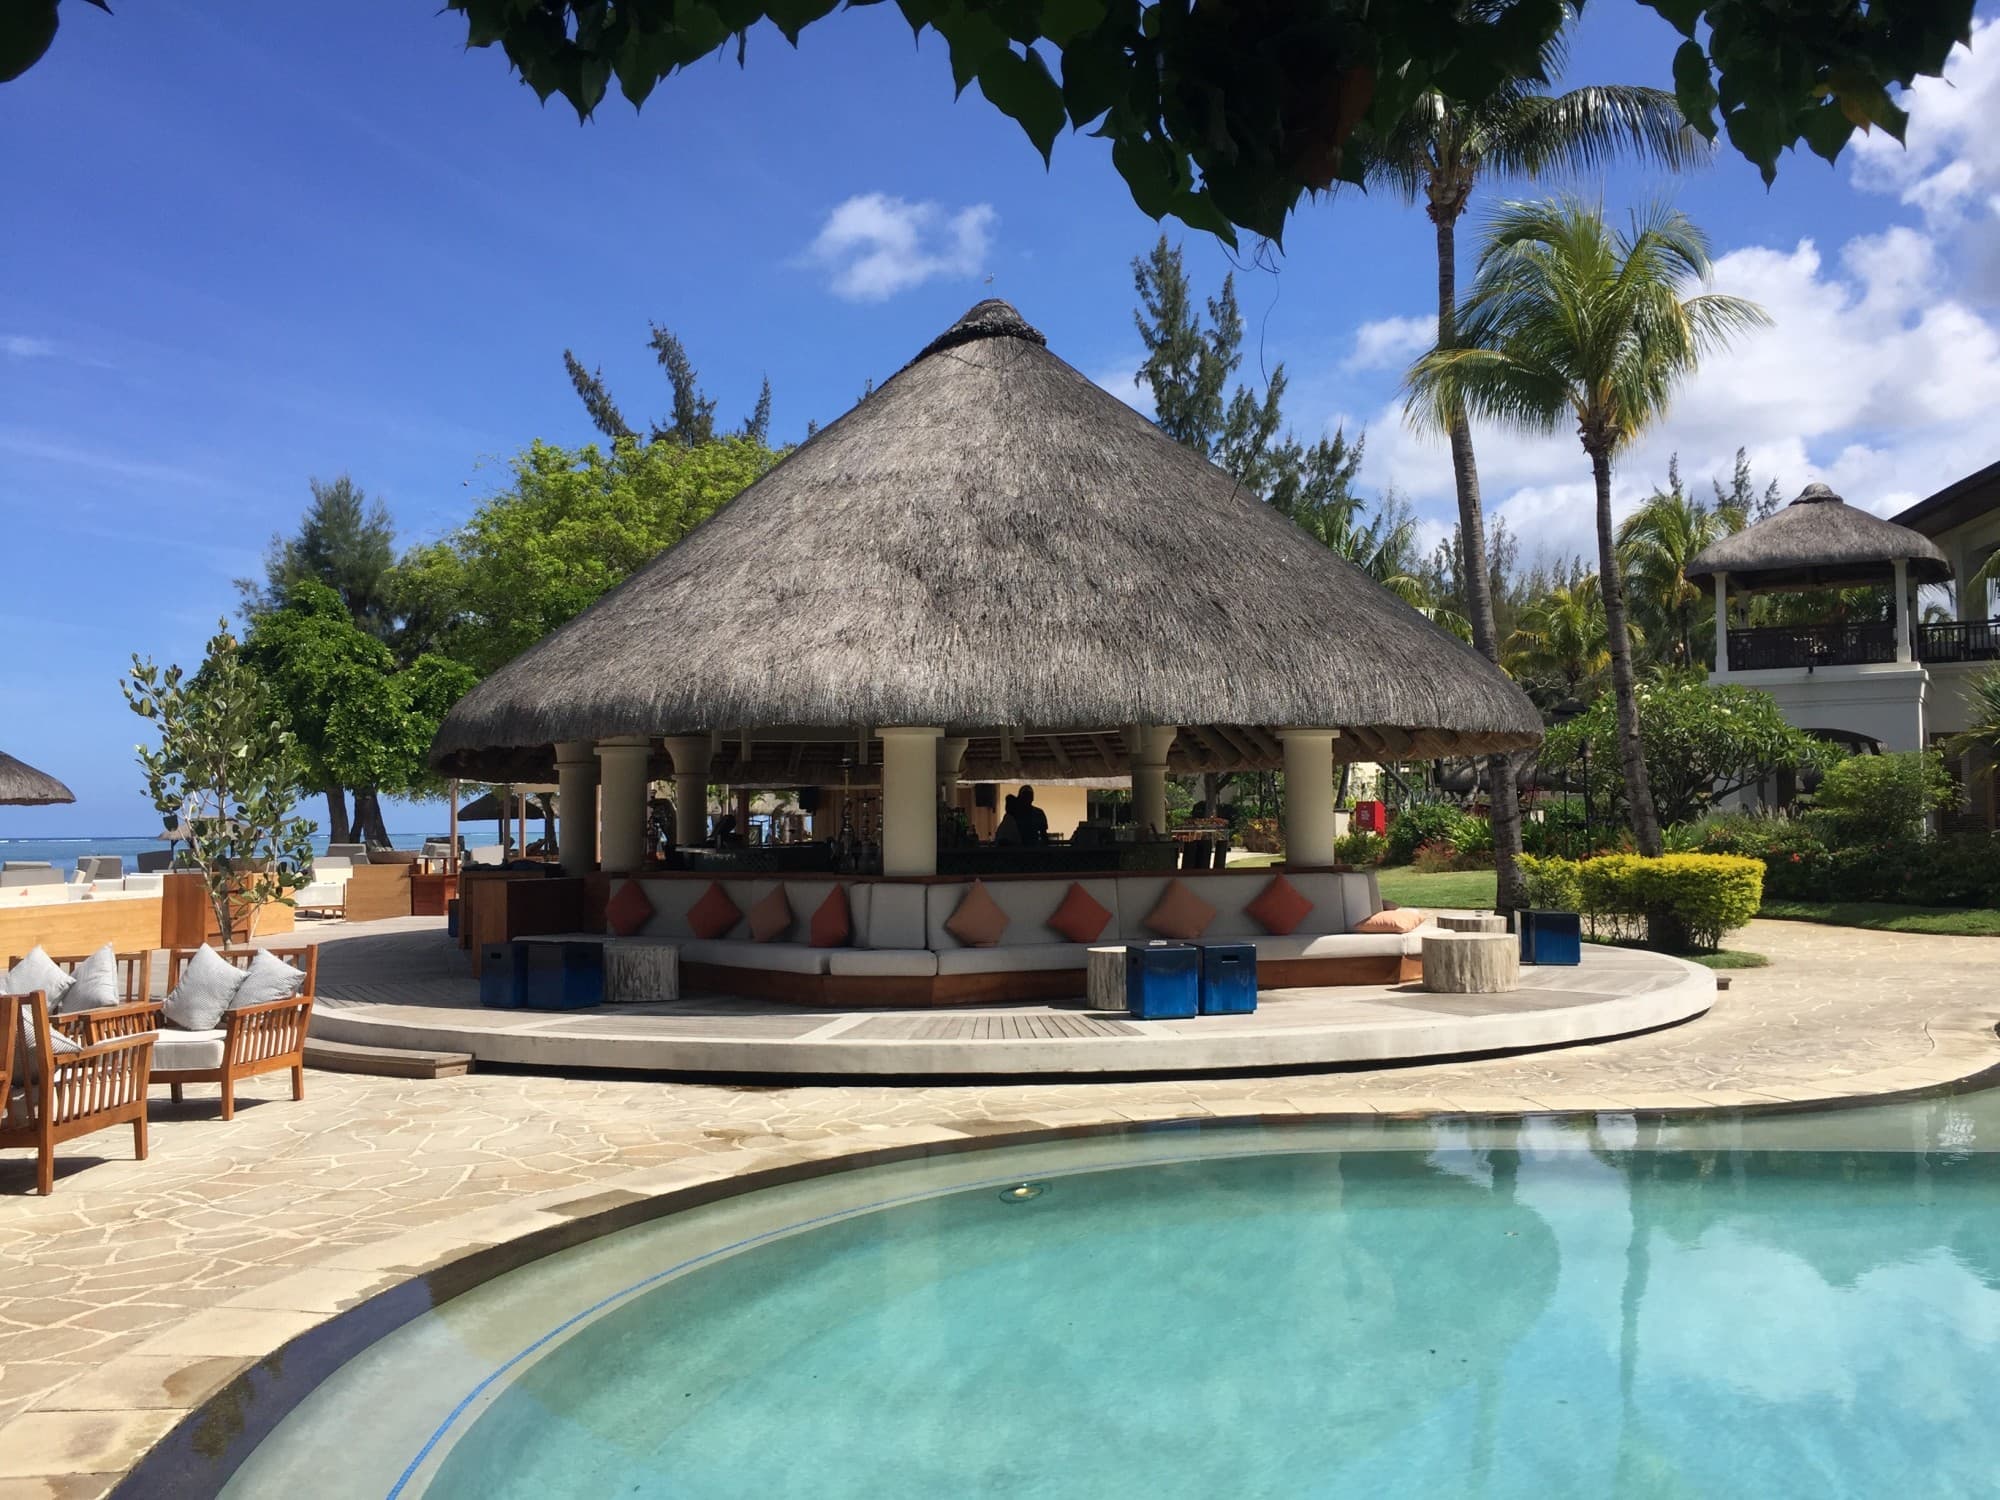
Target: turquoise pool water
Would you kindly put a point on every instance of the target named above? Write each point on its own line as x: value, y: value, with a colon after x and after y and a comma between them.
x: 1547, y: 1308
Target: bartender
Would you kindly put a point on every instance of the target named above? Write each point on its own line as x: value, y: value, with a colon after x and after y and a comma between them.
x: 1034, y: 822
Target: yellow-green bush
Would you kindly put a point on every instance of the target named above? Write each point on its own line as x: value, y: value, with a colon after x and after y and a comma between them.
x: 1552, y: 883
x: 1681, y: 900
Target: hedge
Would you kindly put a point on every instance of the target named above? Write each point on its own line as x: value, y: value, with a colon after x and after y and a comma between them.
x: 1678, y: 901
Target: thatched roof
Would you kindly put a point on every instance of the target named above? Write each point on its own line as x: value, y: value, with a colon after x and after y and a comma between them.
x: 991, y: 539
x: 21, y: 785
x: 1820, y: 541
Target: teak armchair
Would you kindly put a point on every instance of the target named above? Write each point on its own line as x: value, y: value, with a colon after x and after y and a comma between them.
x: 76, y: 1093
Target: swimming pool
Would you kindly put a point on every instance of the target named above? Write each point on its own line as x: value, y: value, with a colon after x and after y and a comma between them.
x: 1749, y: 1305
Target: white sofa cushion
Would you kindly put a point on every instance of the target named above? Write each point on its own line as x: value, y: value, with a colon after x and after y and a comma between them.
x: 187, y: 1051
x: 894, y: 915
x: 882, y: 963
x: 1020, y: 958
x: 741, y: 953
x: 1336, y: 945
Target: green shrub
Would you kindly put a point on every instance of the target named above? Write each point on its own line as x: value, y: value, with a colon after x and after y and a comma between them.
x: 1435, y: 857
x: 1551, y: 884
x: 1882, y: 798
x: 1679, y: 901
x: 1476, y: 841
x: 1360, y: 849
x: 1428, y: 822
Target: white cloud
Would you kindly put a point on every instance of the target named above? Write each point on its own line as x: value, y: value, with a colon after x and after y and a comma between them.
x: 1949, y: 165
x: 1123, y: 381
x: 21, y: 346
x: 1390, y: 343
x: 876, y: 245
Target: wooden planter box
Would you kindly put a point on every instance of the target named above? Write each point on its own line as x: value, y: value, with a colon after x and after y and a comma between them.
x: 378, y: 891
x: 187, y: 918
x: 430, y: 894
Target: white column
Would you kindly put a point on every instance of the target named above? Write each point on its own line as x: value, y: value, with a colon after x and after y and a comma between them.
x: 622, y: 772
x: 576, y: 805
x: 909, y: 800
x: 1149, y: 744
x: 1309, y: 825
x: 690, y: 754
x: 950, y: 757
x: 1902, y: 609
x: 1721, y: 624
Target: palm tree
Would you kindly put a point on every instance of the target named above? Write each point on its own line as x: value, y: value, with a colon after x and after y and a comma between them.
x: 1568, y: 321
x: 1562, y: 635
x: 1982, y: 735
x: 1437, y: 152
x: 1656, y: 543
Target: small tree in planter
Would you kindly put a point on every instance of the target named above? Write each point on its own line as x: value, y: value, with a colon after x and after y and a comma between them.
x: 226, y: 768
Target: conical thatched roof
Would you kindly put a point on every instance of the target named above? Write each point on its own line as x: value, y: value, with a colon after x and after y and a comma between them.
x: 1820, y: 541
x: 991, y: 539
x: 21, y: 785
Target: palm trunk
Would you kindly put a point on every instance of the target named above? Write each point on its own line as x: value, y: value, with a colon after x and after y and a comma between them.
x: 1624, y: 683
x: 336, y: 816
x: 1510, y: 890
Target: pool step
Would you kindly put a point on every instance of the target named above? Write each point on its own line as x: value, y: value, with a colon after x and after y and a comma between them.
x: 385, y: 1062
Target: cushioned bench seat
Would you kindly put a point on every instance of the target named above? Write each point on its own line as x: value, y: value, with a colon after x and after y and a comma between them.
x: 790, y: 958
x: 1021, y: 958
x: 185, y: 1051
x: 898, y: 961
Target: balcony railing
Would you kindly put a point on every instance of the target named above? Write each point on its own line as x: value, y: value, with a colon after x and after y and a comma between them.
x: 1774, y: 646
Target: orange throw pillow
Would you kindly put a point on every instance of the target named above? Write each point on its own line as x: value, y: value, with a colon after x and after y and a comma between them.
x: 1181, y: 914
x: 714, y: 914
x: 833, y: 924
x: 771, y: 918
x: 1402, y: 919
x: 1081, y: 918
x: 978, y: 921
x: 1279, y: 908
x: 627, y: 913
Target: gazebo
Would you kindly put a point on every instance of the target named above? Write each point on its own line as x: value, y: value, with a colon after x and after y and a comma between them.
x: 991, y: 568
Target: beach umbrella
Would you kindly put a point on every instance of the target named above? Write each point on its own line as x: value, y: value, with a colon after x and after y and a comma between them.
x: 21, y: 785
x: 490, y: 807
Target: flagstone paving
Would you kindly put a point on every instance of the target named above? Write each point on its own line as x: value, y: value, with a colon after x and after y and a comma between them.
x: 138, y: 1289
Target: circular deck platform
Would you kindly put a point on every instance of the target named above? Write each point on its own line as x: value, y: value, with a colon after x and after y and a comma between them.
x: 401, y: 984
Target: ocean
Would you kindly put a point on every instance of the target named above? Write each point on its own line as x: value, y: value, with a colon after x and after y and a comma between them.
x: 64, y: 853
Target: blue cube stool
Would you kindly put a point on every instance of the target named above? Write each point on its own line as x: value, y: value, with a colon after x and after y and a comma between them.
x: 1228, y: 979
x: 532, y: 974
x: 1551, y: 938
x: 1162, y: 981
x: 503, y: 969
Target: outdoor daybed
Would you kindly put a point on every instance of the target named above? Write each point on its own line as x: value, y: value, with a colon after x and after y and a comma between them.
x: 899, y: 951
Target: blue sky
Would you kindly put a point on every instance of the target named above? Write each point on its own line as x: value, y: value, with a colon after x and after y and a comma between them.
x: 246, y: 251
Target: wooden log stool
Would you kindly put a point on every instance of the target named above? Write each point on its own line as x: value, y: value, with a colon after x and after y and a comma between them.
x: 1104, y: 978
x: 1478, y: 921
x: 1471, y: 963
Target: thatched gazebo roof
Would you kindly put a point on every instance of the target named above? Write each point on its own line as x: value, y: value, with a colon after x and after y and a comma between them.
x: 1820, y: 541
x: 992, y: 544
x: 21, y: 785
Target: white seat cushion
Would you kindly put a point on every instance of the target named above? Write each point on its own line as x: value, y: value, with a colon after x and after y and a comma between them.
x: 187, y: 1051
x: 1022, y: 958
x: 892, y: 915
x: 881, y: 963
x: 789, y: 958
x: 1338, y: 945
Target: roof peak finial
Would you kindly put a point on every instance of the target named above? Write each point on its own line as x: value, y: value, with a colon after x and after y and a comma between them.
x: 1818, y: 493
x: 990, y: 319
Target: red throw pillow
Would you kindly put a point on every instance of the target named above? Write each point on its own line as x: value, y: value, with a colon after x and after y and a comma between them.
x: 1081, y: 918
x: 832, y: 925
x: 714, y: 914
x: 629, y: 910
x: 978, y: 921
x: 771, y: 917
x: 1181, y: 914
x: 1279, y: 908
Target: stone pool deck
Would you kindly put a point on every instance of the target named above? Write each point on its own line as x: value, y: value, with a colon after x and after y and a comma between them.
x: 140, y: 1289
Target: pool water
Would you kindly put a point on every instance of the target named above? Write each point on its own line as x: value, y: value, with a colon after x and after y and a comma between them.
x: 1506, y: 1309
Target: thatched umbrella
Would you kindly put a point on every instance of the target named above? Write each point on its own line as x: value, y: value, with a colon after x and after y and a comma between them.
x: 1820, y: 541
x: 992, y: 544
x: 21, y: 785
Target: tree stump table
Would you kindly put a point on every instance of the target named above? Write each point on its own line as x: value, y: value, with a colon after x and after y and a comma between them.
x: 1471, y: 963
x: 638, y: 971
x: 1104, y: 978
x: 1479, y: 921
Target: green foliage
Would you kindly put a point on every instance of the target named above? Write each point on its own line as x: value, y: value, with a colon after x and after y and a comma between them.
x: 1225, y: 117
x: 1882, y: 798
x: 1680, y: 900
x: 572, y: 524
x: 1561, y: 639
x: 1551, y: 884
x: 1882, y: 916
x: 1702, y: 740
x: 345, y: 541
x: 1426, y: 823
x: 227, y: 767
x: 1656, y: 545
x: 27, y: 27
x: 1360, y: 849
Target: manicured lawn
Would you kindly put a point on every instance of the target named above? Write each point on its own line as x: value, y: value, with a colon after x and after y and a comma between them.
x: 1466, y: 890
x: 1880, y: 916
x: 1728, y: 958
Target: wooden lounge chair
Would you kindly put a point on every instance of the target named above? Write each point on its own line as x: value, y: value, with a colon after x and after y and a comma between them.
x: 135, y: 984
x: 78, y: 1093
x: 256, y: 1039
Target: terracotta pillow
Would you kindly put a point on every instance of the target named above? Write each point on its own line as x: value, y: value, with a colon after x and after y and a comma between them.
x: 1402, y: 919
x: 629, y: 911
x: 1081, y: 918
x: 771, y: 918
x: 1181, y: 914
x: 833, y: 924
x: 978, y: 921
x: 714, y: 914
x: 1279, y: 908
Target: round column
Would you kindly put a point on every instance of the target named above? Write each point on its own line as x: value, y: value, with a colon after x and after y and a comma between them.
x: 690, y: 754
x: 1309, y: 823
x: 1902, y: 609
x: 1151, y: 742
x: 1721, y: 624
x: 622, y: 773
x: 950, y: 757
x: 909, y: 800
x: 576, y: 810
